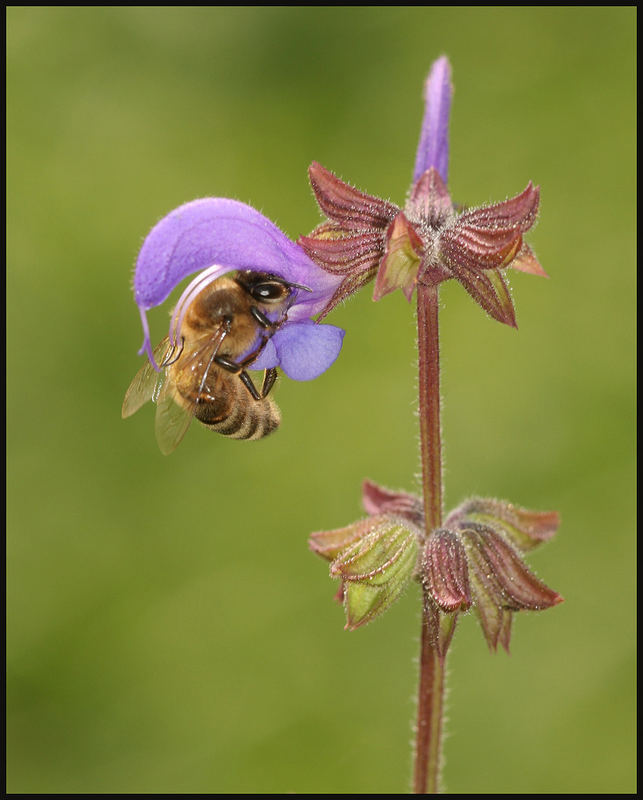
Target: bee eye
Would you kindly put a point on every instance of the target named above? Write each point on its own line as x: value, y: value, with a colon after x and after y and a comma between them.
x: 267, y: 292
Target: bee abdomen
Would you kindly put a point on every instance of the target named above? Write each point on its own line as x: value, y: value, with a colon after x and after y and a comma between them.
x: 252, y: 420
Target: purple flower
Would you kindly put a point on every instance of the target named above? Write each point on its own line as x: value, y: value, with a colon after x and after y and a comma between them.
x: 429, y: 241
x: 214, y: 236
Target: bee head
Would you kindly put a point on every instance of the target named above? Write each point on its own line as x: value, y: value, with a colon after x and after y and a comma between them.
x: 266, y: 288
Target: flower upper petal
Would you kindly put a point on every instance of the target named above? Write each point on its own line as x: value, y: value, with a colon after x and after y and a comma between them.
x: 216, y: 230
x: 223, y: 233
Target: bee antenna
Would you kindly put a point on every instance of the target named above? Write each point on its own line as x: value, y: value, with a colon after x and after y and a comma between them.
x: 299, y: 286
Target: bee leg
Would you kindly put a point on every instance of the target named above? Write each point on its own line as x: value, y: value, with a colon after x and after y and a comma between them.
x: 247, y: 382
x: 238, y: 369
x: 228, y: 364
x: 269, y: 378
x: 261, y: 318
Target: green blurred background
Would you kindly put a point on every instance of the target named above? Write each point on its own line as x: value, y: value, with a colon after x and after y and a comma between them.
x: 168, y: 630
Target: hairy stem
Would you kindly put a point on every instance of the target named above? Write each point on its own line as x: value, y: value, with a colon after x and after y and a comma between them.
x: 428, y: 744
x: 429, y: 391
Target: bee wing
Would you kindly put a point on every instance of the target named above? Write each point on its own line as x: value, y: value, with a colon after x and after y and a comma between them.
x: 173, y: 418
x: 147, y: 382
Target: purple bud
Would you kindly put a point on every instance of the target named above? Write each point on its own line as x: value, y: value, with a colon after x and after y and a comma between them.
x: 433, y: 148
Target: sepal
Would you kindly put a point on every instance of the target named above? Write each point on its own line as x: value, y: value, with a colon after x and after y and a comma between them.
x: 525, y: 529
x: 329, y: 544
x: 526, y: 261
x: 347, y: 206
x: 475, y: 561
x: 491, y: 293
x: 441, y: 626
x: 399, y: 267
x: 517, y: 214
x: 445, y: 571
x: 379, y: 500
x: 374, y: 558
x: 504, y: 572
x: 375, y: 570
x: 430, y: 199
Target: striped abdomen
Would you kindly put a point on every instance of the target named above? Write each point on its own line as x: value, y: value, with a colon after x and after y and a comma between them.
x: 249, y: 418
x: 227, y: 407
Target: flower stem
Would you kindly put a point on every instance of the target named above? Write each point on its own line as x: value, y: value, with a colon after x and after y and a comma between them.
x: 429, y: 391
x: 428, y: 745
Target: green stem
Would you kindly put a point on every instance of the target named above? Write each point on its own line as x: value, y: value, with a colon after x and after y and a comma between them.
x: 428, y: 745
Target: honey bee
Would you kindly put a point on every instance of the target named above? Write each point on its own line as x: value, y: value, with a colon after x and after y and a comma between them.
x: 204, y: 372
